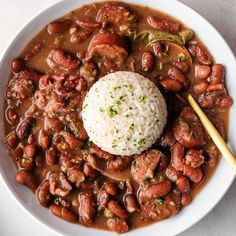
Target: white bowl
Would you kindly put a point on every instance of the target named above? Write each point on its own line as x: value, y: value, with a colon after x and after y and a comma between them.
x: 205, y: 200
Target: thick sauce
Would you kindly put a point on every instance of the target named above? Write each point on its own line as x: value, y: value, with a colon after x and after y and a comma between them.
x: 47, y: 141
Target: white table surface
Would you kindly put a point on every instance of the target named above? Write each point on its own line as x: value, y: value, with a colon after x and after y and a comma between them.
x: 14, y: 221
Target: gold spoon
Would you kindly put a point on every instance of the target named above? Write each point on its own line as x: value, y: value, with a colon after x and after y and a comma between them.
x: 216, y: 137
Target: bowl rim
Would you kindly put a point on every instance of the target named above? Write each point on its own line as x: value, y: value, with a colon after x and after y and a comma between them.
x: 49, y: 8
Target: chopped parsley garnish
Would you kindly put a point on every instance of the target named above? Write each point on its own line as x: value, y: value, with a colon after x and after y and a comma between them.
x: 85, y: 106
x: 131, y: 127
x: 112, y: 111
x: 101, y: 110
x: 142, y: 98
x: 160, y: 200
x: 140, y: 142
x: 182, y: 58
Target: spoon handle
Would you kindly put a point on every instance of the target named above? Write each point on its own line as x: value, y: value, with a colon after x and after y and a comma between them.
x: 216, y: 137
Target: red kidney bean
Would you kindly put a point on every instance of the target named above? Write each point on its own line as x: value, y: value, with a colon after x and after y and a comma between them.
x: 24, y: 127
x: 12, y: 140
x: 51, y: 156
x: 117, y: 209
x: 27, y: 179
x: 39, y: 161
x: 171, y: 85
x: 212, y: 156
x: 154, y: 191
x: 52, y: 124
x: 59, y: 27
x: 75, y: 175
x: 167, y: 138
x: 11, y: 115
x: 218, y: 74
x: 30, y: 150
x: 183, y: 66
x: 163, y: 163
x: 183, y: 184
x: 186, y: 199
x: 202, y: 55
x: 89, y: 171
x: 63, y: 213
x: 87, y: 23
x: 59, y: 185
x: 172, y: 174
x: 202, y: 71
x: 194, y: 158
x: 79, y: 35
x: 176, y: 74
x: 117, y: 225
x: 148, y: 61
x: 201, y: 87
x: 130, y: 203
x: 44, y: 140
x: 226, y: 102
x: 158, y: 49
x: 58, y: 58
x: 192, y: 48
x: 194, y: 174
x: 17, y: 65
x: 102, y: 200
x: 219, y: 88
x: 111, y: 188
x: 162, y: 24
x: 43, y: 194
x: 177, y: 156
x: 86, y: 207
x: 17, y: 153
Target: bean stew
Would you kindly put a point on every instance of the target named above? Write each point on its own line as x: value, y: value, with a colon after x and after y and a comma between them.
x: 46, y: 139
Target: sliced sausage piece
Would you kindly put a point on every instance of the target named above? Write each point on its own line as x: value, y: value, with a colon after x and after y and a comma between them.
x: 194, y: 174
x: 117, y: 209
x: 194, y: 158
x: 108, y: 45
x: 117, y: 225
x: 63, y: 212
x: 218, y: 74
x: 202, y: 71
x: 121, y: 18
x: 188, y: 130
x: 87, y: 207
x: 162, y: 24
x: 160, y: 208
x: 144, y: 165
x: 154, y: 191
